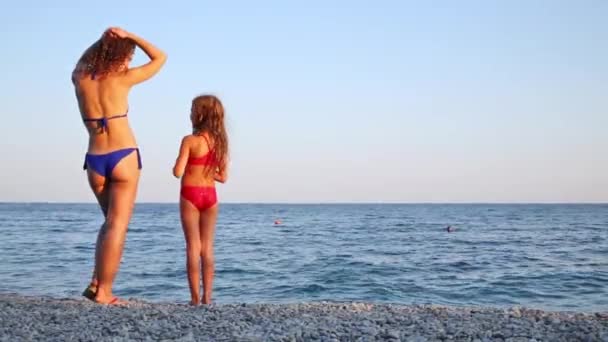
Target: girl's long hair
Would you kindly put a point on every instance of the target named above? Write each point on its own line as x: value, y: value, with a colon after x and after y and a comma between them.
x: 207, y: 116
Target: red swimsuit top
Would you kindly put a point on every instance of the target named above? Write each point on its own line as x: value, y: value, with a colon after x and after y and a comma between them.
x: 206, y: 159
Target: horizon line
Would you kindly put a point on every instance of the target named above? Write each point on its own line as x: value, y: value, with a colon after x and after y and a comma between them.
x: 327, y: 202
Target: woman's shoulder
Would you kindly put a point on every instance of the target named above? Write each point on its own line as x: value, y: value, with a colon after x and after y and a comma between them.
x: 79, y: 74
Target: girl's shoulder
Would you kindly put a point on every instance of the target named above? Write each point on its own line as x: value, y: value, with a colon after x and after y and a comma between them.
x: 197, y: 141
x: 202, y: 138
x: 188, y: 140
x: 193, y: 137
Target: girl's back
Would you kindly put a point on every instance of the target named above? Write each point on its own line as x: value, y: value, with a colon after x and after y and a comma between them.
x: 201, y: 167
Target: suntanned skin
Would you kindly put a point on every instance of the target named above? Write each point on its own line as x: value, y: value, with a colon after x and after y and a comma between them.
x: 198, y: 226
x: 104, y: 97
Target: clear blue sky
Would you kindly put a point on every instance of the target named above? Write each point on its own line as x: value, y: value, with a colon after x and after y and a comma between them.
x: 348, y: 101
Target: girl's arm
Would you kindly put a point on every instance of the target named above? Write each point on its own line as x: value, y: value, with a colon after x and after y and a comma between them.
x: 182, y: 159
x: 221, y: 175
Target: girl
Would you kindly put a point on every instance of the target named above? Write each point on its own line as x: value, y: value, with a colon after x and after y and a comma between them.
x: 202, y: 161
x: 102, y: 80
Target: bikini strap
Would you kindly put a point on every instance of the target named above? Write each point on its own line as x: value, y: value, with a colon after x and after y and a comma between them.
x: 207, y: 141
x: 209, y: 147
x: 116, y: 116
x: 103, y: 122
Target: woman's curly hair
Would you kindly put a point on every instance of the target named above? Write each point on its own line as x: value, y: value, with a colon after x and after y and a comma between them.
x: 106, y: 55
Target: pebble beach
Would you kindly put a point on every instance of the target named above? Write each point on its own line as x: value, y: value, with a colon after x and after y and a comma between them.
x: 43, y: 318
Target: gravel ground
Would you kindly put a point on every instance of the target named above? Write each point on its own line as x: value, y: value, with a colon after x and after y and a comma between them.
x: 33, y: 318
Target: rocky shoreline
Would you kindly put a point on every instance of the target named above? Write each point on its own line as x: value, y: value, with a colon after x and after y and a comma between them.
x: 33, y: 318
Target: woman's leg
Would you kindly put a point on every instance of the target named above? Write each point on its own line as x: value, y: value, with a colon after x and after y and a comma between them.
x: 122, y: 192
x: 100, y: 187
x: 207, y: 233
x: 190, y: 218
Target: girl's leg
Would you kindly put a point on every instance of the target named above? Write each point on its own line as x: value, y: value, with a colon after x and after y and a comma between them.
x: 190, y: 217
x: 207, y: 222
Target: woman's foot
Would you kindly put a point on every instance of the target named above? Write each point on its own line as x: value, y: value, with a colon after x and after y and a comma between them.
x: 112, y: 301
x: 106, y: 297
x: 90, y: 292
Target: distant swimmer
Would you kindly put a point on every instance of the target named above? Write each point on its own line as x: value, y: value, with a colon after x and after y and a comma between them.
x: 277, y: 222
x: 450, y: 229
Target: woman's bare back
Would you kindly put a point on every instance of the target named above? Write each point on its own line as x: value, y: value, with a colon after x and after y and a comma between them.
x: 103, y: 94
x: 104, y: 98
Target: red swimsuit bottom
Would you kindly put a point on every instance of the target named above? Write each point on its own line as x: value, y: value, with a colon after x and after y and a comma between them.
x: 202, y: 197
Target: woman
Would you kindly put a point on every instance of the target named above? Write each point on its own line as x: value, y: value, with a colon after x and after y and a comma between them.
x: 102, y: 80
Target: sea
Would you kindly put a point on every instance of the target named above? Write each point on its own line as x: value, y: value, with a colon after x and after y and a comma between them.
x: 546, y: 256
